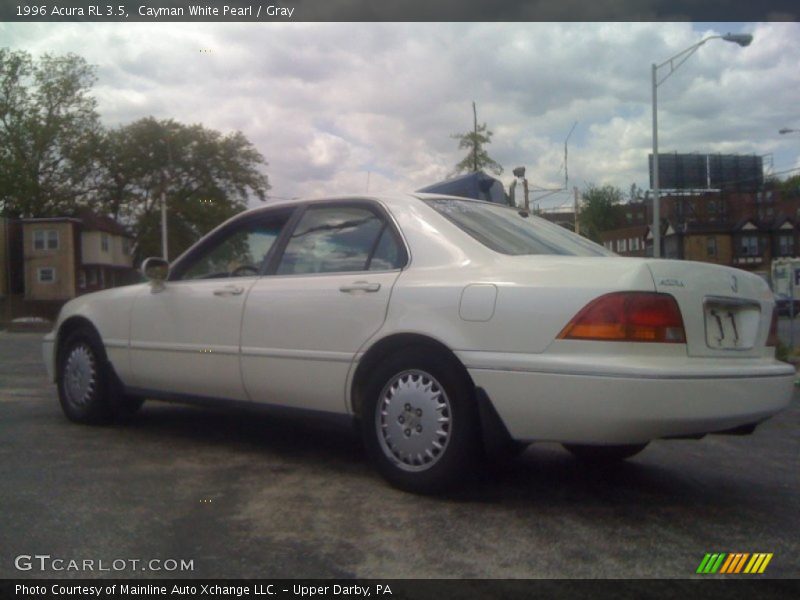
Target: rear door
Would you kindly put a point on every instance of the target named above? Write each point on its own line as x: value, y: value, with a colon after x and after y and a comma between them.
x: 326, y: 294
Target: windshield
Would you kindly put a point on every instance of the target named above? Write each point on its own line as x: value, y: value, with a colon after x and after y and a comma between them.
x: 506, y: 230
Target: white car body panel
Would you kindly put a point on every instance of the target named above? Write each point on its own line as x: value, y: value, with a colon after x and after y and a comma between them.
x: 301, y: 333
x: 109, y: 312
x: 296, y: 340
x: 185, y: 338
x: 601, y: 409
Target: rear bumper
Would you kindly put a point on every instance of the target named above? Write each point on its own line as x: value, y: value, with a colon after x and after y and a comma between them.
x: 621, y: 408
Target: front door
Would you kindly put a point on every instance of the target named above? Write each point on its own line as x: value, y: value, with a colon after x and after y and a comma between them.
x: 185, y: 334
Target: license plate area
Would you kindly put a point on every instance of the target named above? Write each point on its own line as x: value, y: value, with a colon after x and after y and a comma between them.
x: 731, y: 324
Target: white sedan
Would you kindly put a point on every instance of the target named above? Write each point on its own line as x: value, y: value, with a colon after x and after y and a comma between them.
x: 443, y: 326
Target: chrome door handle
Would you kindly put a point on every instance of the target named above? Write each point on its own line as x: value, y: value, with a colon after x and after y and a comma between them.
x: 360, y: 286
x: 229, y: 290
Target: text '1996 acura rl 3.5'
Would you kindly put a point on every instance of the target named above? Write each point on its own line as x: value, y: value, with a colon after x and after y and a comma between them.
x: 443, y: 326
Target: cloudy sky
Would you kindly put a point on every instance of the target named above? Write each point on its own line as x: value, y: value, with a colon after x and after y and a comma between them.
x: 337, y: 106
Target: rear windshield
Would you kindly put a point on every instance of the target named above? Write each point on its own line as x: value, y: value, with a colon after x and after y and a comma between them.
x: 506, y: 230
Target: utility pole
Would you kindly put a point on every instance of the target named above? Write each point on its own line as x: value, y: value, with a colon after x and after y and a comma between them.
x: 566, y: 168
x: 164, y: 179
x: 164, y: 247
x: 577, y: 211
x: 7, y: 259
x: 475, y: 137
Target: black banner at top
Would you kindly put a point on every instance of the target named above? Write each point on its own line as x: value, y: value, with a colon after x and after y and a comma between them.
x: 396, y: 10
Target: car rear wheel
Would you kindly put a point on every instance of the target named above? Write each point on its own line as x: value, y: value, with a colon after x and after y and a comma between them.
x: 419, y: 421
x: 604, y: 454
x: 87, y: 389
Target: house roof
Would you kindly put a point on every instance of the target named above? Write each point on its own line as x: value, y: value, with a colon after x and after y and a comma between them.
x: 624, y: 232
x: 89, y: 220
x: 95, y: 222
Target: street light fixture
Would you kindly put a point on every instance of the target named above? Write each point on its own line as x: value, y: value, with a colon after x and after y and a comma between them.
x: 742, y: 39
x: 786, y: 130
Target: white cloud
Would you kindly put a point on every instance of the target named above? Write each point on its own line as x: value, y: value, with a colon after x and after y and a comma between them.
x: 333, y: 105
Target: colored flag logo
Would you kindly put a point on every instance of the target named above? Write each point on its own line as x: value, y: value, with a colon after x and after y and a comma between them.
x: 741, y: 562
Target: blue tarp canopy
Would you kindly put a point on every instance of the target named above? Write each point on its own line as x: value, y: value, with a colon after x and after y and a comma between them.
x: 478, y: 186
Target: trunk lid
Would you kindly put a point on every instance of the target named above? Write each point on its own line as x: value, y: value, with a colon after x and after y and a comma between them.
x: 726, y: 311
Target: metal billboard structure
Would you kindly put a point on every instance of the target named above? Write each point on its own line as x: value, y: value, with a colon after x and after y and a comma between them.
x: 739, y: 172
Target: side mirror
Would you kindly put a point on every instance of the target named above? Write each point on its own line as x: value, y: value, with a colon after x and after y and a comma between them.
x: 155, y: 269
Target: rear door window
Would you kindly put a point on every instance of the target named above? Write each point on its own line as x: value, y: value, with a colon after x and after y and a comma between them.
x: 339, y: 239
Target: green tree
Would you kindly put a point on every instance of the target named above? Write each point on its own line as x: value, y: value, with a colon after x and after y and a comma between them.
x: 206, y: 176
x: 636, y: 194
x: 475, y: 141
x: 49, y: 130
x: 790, y: 186
x: 600, y: 210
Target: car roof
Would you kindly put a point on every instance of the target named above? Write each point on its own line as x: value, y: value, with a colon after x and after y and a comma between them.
x: 389, y: 199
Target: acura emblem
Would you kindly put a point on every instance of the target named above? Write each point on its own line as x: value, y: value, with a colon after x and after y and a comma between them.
x: 734, y: 284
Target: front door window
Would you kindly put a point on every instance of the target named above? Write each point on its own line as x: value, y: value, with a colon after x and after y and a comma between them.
x: 239, y: 252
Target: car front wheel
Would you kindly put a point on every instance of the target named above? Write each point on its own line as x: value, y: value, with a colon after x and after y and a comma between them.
x: 87, y: 390
x: 419, y: 421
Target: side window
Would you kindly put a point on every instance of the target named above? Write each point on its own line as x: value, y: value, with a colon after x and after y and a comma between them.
x: 331, y: 239
x: 239, y: 253
x: 387, y: 254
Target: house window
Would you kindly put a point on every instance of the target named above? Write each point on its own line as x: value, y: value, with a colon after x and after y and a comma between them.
x: 81, y: 279
x: 46, y: 274
x: 749, y: 245
x: 104, y: 242
x: 786, y: 245
x: 45, y: 238
x: 126, y: 246
x: 623, y: 245
x: 92, y: 276
x: 711, y: 246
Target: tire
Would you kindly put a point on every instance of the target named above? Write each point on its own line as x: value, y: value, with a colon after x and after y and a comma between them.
x: 88, y: 390
x: 406, y: 400
x: 604, y: 455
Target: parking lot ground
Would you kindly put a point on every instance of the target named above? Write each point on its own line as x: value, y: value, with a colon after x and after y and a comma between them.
x: 245, y: 495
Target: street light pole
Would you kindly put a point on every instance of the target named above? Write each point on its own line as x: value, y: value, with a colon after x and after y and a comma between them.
x: 164, y: 180
x: 742, y: 39
x: 164, y: 246
x: 566, y: 165
x: 656, y: 209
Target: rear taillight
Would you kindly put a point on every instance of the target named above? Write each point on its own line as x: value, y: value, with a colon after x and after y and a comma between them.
x: 628, y: 317
x: 772, y: 338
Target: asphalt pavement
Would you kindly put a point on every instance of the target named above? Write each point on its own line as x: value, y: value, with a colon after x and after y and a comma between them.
x: 244, y: 495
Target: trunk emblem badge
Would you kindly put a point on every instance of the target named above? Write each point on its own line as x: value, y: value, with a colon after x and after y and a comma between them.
x: 671, y: 282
